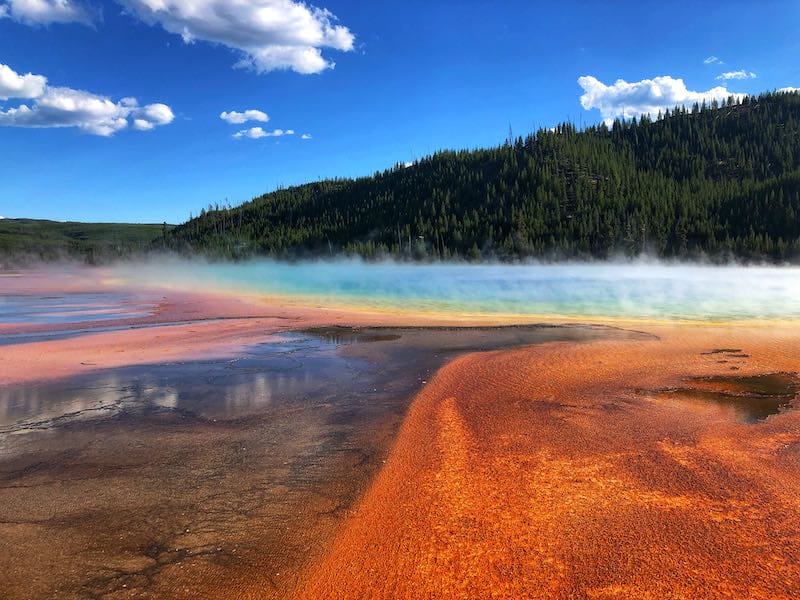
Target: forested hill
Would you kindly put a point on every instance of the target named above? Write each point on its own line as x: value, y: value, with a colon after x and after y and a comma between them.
x: 718, y: 180
x: 26, y: 240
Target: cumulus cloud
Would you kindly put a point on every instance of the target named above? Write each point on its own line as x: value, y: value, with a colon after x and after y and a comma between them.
x: 47, y: 12
x: 237, y: 118
x: 741, y: 74
x: 269, y: 34
x: 151, y: 116
x: 67, y: 107
x: 648, y: 96
x: 255, y: 133
x: 14, y: 85
x: 713, y: 60
x: 142, y: 125
x: 305, y: 136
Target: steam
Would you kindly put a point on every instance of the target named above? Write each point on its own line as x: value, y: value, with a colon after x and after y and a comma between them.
x: 630, y: 289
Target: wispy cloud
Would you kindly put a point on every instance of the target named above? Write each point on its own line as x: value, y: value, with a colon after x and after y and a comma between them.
x: 68, y: 107
x: 713, y: 60
x: 255, y: 133
x: 648, y: 96
x: 741, y: 74
x: 269, y: 34
x: 305, y: 136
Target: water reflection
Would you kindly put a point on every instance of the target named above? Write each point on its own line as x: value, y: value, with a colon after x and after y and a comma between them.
x: 293, y: 368
x: 339, y: 335
x: 341, y: 366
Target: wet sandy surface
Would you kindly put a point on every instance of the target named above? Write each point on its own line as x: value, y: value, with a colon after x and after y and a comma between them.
x: 213, y: 477
x: 614, y: 469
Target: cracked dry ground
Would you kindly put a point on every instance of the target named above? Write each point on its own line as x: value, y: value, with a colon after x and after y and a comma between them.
x: 545, y: 472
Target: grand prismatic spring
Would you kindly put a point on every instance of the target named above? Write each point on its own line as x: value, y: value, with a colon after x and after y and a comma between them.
x: 350, y: 430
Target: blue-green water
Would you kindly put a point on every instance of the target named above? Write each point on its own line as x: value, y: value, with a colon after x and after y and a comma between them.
x: 636, y: 290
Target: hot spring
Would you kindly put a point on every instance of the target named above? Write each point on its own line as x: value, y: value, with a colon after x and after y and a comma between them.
x: 641, y: 290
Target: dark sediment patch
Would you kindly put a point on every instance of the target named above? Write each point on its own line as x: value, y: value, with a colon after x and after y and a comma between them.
x: 752, y: 398
x: 175, y: 480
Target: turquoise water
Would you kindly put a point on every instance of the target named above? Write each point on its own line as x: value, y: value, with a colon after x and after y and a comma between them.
x: 639, y: 290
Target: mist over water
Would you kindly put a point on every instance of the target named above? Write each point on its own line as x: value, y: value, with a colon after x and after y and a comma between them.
x: 629, y: 290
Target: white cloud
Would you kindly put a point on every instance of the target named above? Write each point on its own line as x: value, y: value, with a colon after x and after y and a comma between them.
x: 270, y: 34
x: 713, y: 60
x: 788, y: 90
x: 741, y: 74
x: 67, y: 107
x: 648, y: 96
x: 156, y: 114
x: 237, y: 118
x: 305, y: 136
x: 46, y: 12
x: 255, y: 133
x: 13, y: 85
x: 142, y: 125
x: 152, y: 116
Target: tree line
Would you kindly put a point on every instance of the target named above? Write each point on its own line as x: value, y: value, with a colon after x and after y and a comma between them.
x: 720, y: 179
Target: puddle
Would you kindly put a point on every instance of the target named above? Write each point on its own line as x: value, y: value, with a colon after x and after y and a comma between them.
x: 291, y: 369
x: 306, y: 367
x: 342, y: 335
x: 750, y: 399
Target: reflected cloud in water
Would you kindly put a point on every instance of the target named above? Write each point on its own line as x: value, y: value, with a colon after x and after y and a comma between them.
x: 294, y: 368
x: 351, y: 369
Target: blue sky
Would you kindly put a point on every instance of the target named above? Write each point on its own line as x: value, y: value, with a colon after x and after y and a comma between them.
x: 409, y: 78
